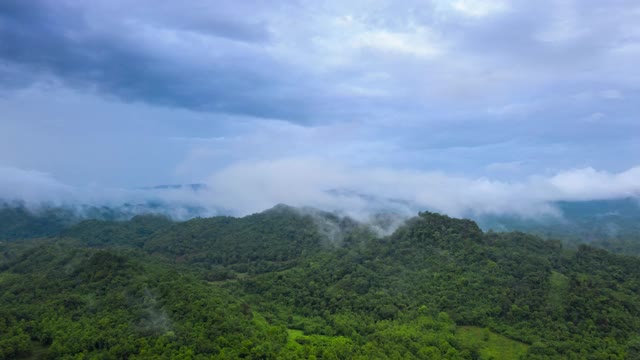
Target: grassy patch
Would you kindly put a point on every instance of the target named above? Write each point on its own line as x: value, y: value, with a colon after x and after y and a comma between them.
x: 293, y: 335
x: 559, y: 287
x: 490, y: 345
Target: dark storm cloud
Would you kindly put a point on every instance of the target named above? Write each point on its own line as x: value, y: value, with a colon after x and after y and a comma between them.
x: 46, y: 37
x: 322, y: 62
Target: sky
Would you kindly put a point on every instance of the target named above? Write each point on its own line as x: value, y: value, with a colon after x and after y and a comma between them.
x: 485, y: 106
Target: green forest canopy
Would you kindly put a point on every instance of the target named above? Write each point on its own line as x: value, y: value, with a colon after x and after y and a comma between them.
x: 278, y: 285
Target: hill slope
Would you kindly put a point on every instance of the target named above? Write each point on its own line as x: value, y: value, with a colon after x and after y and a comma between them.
x: 291, y: 283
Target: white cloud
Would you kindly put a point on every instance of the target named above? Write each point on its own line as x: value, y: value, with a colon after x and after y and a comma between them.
x: 249, y: 187
x: 420, y: 42
x: 588, y: 183
x: 514, y: 110
x: 31, y: 186
x: 253, y: 187
x: 607, y: 94
x: 479, y: 8
x: 595, y: 117
x: 611, y: 94
x: 505, y: 167
x: 566, y: 25
x: 561, y: 32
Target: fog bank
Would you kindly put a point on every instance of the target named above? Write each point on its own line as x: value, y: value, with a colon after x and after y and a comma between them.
x: 249, y: 187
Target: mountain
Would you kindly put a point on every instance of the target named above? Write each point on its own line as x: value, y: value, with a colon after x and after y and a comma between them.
x: 292, y: 283
x: 19, y: 222
x: 193, y: 187
x: 613, y: 224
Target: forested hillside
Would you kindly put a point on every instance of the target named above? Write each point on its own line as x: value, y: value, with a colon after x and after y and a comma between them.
x: 302, y: 284
x: 612, y: 224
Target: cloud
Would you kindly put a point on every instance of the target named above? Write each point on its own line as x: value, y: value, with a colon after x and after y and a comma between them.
x: 293, y: 61
x: 137, y: 60
x: 510, y: 166
x: 36, y: 190
x: 595, y: 117
x: 479, y: 8
x: 245, y: 188
x: 589, y: 183
x: 31, y: 186
x: 415, y: 43
x: 124, y: 94
x: 308, y: 182
x: 612, y: 94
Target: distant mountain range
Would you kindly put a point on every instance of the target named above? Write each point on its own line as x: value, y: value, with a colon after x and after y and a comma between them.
x: 194, y: 187
x: 597, y: 221
x: 586, y: 221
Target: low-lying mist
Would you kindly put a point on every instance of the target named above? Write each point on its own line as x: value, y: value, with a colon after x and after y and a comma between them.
x: 360, y: 193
